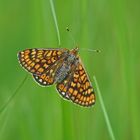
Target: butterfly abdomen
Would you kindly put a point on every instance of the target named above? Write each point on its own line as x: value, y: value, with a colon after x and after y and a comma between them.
x: 62, y: 72
x: 65, y: 68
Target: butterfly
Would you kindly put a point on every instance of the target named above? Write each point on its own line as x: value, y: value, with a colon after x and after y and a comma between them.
x: 62, y: 67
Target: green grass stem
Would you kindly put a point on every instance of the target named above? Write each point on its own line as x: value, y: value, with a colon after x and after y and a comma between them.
x: 3, y: 107
x: 110, y: 130
x: 55, y: 21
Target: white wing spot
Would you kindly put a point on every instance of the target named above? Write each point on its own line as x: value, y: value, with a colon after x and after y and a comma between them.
x: 40, y: 80
x: 63, y: 93
x: 67, y: 96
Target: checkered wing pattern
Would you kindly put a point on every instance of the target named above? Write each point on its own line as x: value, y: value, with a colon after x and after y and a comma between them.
x: 62, y: 88
x: 46, y: 78
x: 77, y: 87
x: 37, y: 61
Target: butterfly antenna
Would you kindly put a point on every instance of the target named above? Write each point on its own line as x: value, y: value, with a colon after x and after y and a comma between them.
x: 91, y: 50
x: 70, y: 34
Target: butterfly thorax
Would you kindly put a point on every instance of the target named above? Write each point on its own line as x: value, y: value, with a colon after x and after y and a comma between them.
x: 65, y: 68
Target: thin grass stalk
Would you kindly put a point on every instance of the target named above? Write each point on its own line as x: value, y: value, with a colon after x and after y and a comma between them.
x: 110, y: 130
x: 55, y: 21
x: 3, y: 107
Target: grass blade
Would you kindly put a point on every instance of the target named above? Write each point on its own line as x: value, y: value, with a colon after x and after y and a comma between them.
x: 104, y: 111
x: 13, y: 95
x: 55, y: 21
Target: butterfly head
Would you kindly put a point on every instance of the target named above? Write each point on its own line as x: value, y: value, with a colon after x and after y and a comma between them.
x: 75, y: 51
x: 72, y: 56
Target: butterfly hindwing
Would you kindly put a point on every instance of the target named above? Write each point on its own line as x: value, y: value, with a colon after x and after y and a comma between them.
x: 48, y: 77
x: 43, y: 80
x: 37, y: 61
x: 62, y: 88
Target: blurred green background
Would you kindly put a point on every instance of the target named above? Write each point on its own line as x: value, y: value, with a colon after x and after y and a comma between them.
x: 38, y: 113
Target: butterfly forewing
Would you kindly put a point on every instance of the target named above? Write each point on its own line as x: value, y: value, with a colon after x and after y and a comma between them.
x: 78, y: 88
x: 37, y: 61
x: 81, y: 91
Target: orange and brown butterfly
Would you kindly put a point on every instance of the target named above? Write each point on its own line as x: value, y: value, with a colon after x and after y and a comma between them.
x: 62, y: 67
